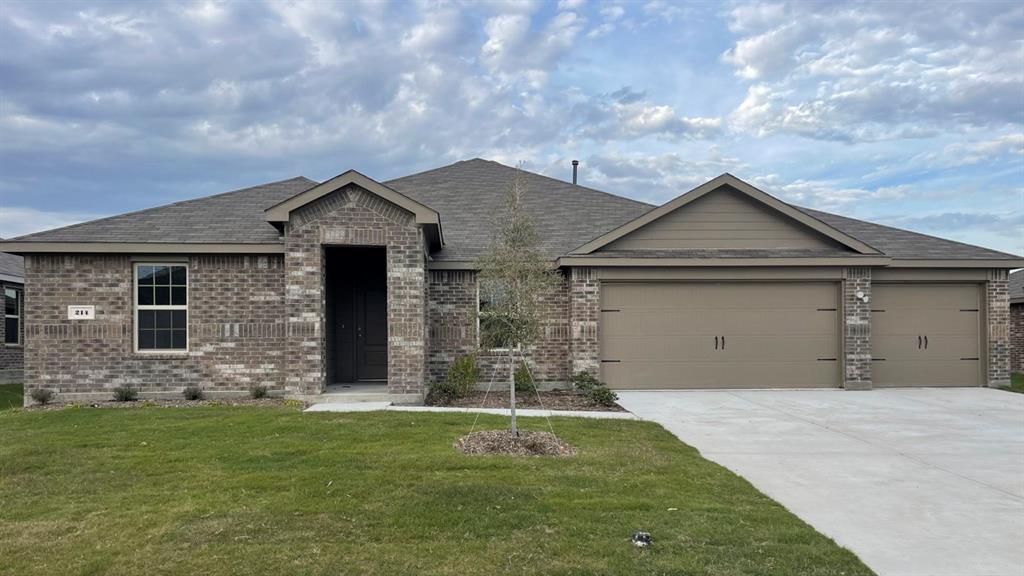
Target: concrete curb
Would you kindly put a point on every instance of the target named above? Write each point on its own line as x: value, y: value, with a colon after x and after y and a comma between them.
x: 385, y: 406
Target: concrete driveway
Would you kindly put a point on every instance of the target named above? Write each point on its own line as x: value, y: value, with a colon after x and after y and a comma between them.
x: 925, y: 482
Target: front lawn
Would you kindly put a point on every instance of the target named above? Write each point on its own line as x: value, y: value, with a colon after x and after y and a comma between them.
x: 1016, y: 383
x: 240, y: 490
x: 11, y: 396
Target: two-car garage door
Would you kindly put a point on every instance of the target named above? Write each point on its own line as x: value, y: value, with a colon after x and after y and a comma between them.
x: 663, y: 335
x: 720, y: 335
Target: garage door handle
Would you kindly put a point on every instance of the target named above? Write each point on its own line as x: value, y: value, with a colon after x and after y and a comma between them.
x: 723, y: 342
x: 925, y: 342
x: 716, y: 342
x: 919, y: 342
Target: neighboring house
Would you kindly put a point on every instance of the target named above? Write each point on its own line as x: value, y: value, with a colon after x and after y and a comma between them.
x: 12, y: 329
x: 1017, y: 321
x: 299, y: 285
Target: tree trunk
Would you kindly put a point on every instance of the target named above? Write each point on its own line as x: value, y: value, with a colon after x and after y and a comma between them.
x: 512, y: 390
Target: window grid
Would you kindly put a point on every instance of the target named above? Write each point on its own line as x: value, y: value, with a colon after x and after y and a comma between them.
x: 161, y: 308
x: 12, y: 316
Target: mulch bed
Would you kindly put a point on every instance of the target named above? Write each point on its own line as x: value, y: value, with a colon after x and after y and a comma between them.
x: 162, y: 404
x: 503, y: 442
x: 549, y: 400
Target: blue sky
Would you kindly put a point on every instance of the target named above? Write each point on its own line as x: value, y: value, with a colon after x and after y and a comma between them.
x: 908, y: 114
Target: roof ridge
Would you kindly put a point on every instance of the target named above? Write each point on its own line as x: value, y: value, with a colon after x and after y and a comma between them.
x: 160, y: 207
x: 588, y: 188
x: 904, y: 230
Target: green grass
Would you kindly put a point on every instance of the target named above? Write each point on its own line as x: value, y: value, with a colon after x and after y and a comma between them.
x: 241, y: 490
x: 11, y: 396
x: 1016, y: 383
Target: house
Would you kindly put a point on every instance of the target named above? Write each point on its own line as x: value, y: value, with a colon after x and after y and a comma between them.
x: 299, y: 285
x: 12, y: 335
x: 1017, y: 321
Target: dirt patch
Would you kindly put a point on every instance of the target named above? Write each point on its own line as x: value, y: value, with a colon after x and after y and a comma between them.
x: 549, y: 400
x: 162, y: 404
x: 503, y: 442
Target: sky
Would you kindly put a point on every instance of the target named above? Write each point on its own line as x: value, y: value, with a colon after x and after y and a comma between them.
x: 906, y: 114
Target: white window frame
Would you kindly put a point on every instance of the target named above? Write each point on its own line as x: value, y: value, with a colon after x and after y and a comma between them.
x: 18, y: 315
x: 136, y: 307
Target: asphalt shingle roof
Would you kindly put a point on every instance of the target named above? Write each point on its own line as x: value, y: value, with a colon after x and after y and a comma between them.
x: 11, y: 265
x: 466, y: 194
x: 231, y: 218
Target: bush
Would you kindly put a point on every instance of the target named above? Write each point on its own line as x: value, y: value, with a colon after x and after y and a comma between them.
x: 258, y: 392
x: 193, y: 393
x: 524, y: 379
x: 125, y: 394
x: 441, y: 393
x: 603, y: 395
x: 588, y: 385
x: 463, y: 375
x: 584, y: 382
x: 41, y: 395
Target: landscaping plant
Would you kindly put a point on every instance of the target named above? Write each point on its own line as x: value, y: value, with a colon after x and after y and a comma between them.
x: 125, y: 394
x: 41, y: 395
x: 514, y: 279
x: 192, y: 393
x: 258, y: 391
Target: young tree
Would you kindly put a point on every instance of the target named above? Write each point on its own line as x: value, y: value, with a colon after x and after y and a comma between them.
x: 514, y: 279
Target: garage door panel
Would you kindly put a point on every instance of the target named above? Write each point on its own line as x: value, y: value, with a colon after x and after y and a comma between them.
x: 934, y: 373
x: 718, y: 322
x: 662, y: 335
x: 691, y: 374
x: 926, y: 335
x: 701, y: 296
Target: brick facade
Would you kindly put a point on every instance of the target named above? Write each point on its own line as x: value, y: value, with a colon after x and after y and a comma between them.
x: 236, y: 335
x: 12, y: 356
x: 453, y: 331
x: 584, y: 316
x: 1017, y: 337
x: 354, y: 217
x: 997, y: 296
x: 857, y: 328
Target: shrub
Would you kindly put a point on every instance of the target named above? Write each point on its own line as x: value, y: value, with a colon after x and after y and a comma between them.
x: 442, y: 393
x: 603, y: 395
x: 584, y: 382
x: 193, y: 393
x: 125, y: 394
x: 41, y: 395
x: 293, y: 403
x: 463, y: 375
x: 258, y: 391
x: 524, y: 379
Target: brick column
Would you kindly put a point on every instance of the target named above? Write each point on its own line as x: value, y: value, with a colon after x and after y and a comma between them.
x: 857, y: 328
x: 997, y: 298
x: 584, y: 312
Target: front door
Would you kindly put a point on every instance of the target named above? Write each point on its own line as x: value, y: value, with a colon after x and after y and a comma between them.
x: 357, y: 315
x: 371, y: 341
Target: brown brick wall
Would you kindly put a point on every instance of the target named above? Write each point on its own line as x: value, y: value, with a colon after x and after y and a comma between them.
x: 12, y: 357
x: 1017, y: 337
x: 584, y: 316
x: 354, y: 217
x: 452, y: 321
x: 997, y: 292
x: 857, y: 329
x: 236, y: 326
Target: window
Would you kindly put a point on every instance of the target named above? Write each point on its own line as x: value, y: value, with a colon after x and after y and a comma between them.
x: 12, y: 316
x: 161, y: 307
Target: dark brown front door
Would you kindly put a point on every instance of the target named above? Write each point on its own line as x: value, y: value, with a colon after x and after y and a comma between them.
x: 357, y: 315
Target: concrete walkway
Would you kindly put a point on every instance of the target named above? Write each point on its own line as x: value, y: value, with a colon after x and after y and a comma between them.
x: 916, y: 482
x: 374, y: 406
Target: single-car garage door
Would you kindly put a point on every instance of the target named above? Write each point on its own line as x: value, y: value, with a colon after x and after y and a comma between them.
x: 719, y: 335
x: 926, y: 335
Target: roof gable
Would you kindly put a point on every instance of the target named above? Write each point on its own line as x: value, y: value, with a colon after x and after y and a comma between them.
x: 424, y: 214
x: 758, y: 200
x: 724, y: 219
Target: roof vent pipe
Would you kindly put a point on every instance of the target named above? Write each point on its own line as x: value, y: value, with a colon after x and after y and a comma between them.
x: 575, y: 164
